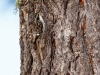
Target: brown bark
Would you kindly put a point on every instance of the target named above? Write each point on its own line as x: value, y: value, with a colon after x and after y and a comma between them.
x: 71, y: 41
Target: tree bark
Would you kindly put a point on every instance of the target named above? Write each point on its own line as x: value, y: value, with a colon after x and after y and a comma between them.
x: 71, y: 40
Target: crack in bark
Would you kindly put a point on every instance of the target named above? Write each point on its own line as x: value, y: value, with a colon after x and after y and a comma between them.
x: 91, y: 62
x: 83, y: 28
x: 77, y: 23
x: 69, y: 67
x: 22, y: 49
x: 53, y: 47
x: 85, y: 43
x: 71, y: 43
x: 40, y: 71
x: 65, y: 6
x: 30, y: 64
x: 91, y: 59
x: 83, y: 33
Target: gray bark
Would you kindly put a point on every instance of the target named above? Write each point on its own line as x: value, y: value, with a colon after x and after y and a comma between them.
x: 71, y: 39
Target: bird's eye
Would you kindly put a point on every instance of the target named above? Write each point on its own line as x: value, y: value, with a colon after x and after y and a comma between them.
x: 38, y: 17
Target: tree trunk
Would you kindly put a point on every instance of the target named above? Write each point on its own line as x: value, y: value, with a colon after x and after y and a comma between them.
x: 71, y: 39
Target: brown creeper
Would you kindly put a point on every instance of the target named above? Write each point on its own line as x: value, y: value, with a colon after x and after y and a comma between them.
x: 38, y: 34
x: 38, y: 25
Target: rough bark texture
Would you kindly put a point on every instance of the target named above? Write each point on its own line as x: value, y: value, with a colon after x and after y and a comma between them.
x: 71, y: 41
